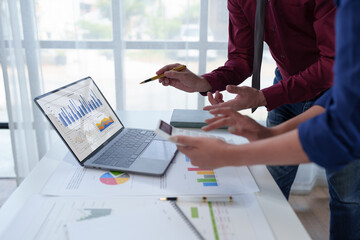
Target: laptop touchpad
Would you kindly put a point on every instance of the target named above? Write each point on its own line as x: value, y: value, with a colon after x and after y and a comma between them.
x: 160, y: 150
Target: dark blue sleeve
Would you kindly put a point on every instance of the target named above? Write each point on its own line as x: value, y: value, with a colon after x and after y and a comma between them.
x: 325, y: 99
x: 332, y: 139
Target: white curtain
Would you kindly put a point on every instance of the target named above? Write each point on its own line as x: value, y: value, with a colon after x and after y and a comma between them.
x: 21, y: 73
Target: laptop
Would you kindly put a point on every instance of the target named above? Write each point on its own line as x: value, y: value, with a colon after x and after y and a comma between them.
x: 95, y: 135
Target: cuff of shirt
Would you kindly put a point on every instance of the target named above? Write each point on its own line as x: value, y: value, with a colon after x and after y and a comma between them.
x: 321, y: 145
x: 274, y: 96
x: 214, y: 83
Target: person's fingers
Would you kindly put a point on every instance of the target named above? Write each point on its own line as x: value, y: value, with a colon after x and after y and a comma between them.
x: 174, y: 74
x: 167, y: 68
x: 184, y: 140
x: 209, y: 107
x: 230, y: 104
x: 224, y: 122
x: 211, y: 120
x: 232, y: 129
x: 226, y: 111
x: 164, y: 81
x: 218, y: 96
x: 211, y: 99
x: 222, y: 111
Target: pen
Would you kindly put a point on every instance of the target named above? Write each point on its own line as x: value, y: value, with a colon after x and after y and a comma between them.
x: 198, y: 199
x: 182, y: 67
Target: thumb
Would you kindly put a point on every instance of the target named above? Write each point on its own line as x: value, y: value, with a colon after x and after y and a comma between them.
x: 234, y: 89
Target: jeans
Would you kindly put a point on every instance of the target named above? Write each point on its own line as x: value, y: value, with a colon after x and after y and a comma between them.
x: 344, y: 185
x: 284, y: 175
x: 344, y: 189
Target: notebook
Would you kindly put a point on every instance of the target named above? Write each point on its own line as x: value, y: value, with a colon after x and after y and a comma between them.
x: 189, y: 118
x: 95, y: 135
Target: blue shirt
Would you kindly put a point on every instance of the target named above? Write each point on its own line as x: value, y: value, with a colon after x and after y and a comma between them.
x: 332, y: 139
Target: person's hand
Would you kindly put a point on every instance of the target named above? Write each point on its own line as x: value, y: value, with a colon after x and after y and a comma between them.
x: 206, y: 153
x: 237, y: 124
x: 184, y: 80
x: 215, y: 100
x: 247, y: 97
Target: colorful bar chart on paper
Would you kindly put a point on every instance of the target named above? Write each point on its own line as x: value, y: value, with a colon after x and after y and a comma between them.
x: 204, y: 176
x: 75, y: 111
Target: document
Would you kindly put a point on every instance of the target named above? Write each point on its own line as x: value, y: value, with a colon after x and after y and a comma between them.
x: 241, y: 219
x: 181, y: 178
x: 159, y: 221
x: 61, y: 218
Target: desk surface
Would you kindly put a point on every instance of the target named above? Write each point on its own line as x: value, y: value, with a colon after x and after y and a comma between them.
x: 280, y: 216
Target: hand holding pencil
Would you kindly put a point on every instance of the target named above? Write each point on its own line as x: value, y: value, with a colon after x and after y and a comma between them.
x: 180, y: 77
x: 179, y: 68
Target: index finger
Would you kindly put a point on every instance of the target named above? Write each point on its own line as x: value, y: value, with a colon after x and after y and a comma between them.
x: 222, y: 122
x: 223, y: 111
x: 167, y: 68
x: 219, y: 105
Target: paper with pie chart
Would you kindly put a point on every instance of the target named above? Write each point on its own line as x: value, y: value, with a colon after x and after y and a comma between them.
x: 181, y: 178
x: 114, y: 178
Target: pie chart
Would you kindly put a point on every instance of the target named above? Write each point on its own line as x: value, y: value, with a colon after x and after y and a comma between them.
x: 114, y: 178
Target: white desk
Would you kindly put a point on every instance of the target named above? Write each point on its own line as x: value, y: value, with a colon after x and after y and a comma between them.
x: 280, y: 216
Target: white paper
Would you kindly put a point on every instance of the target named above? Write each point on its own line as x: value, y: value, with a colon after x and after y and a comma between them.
x: 160, y: 221
x: 180, y: 179
x: 241, y: 219
x: 58, y: 218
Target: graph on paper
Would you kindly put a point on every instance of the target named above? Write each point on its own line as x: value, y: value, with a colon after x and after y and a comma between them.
x: 242, y: 219
x: 92, y: 213
x: 205, y: 177
x: 81, y: 115
x: 114, y: 178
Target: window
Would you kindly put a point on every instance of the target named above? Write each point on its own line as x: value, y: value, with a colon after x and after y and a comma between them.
x: 120, y: 43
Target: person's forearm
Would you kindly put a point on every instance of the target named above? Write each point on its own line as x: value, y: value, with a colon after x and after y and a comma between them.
x: 284, y: 149
x: 294, y: 122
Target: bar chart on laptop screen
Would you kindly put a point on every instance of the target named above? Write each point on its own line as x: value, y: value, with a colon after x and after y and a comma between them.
x: 82, y: 116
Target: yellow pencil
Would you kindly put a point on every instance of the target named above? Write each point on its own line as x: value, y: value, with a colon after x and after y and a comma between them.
x: 182, y: 67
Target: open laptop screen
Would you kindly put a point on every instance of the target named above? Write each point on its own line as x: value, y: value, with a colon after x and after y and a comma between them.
x: 81, y: 115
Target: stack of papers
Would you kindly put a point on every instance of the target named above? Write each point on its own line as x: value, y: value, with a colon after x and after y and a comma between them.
x: 181, y: 178
x: 82, y: 203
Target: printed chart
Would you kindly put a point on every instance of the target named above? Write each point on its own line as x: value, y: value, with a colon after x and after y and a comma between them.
x: 92, y: 213
x: 241, y: 219
x: 206, y: 177
x: 73, y: 180
x: 114, y: 178
x: 63, y: 218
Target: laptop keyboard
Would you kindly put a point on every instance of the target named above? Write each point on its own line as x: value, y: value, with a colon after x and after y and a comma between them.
x: 126, y: 148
